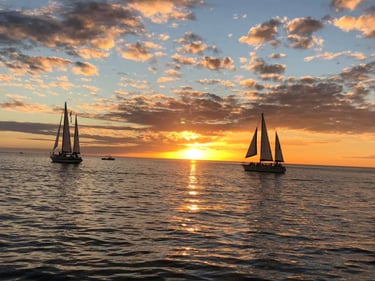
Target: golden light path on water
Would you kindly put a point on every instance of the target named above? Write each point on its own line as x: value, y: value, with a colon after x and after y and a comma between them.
x: 191, y: 203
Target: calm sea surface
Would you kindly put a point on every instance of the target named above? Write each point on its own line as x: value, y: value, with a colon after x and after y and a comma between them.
x: 143, y: 219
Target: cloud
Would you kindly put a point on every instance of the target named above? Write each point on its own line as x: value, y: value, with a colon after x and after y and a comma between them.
x: 303, y: 26
x: 84, y: 68
x: 314, y: 104
x: 337, y: 104
x: 23, y: 64
x: 250, y: 83
x: 193, y: 48
x: 16, y: 103
x: 277, y: 56
x: 78, y: 24
x: 225, y: 83
x: 88, y: 53
x: 137, y: 52
x: 300, y: 32
x: 6, y: 77
x: 166, y: 79
x: 183, y: 60
x: 331, y: 56
x: 28, y: 127
x: 160, y: 11
x: 85, y: 29
x: 213, y: 63
x: 164, y: 37
x: 136, y: 84
x: 364, y: 24
x: 193, y: 44
x: 263, y: 33
x: 341, y: 5
x: 259, y: 66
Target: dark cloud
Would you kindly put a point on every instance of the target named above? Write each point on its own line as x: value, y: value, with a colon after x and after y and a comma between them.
x: 314, y: 104
x: 85, y: 29
x: 193, y: 44
x: 95, y: 140
x: 259, y: 66
x: 28, y: 127
x: 303, y: 26
x: 300, y: 32
x: 33, y: 64
x: 74, y: 25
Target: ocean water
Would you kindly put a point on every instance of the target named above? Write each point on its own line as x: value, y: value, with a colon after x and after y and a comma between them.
x: 147, y: 219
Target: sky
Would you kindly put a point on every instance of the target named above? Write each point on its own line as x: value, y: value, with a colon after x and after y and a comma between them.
x: 190, y: 78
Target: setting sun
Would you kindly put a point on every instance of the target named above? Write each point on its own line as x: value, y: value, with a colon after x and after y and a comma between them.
x: 194, y: 154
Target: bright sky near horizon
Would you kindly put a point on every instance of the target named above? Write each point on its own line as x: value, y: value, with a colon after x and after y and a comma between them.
x: 190, y: 78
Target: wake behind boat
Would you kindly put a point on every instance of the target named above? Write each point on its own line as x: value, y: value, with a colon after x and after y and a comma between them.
x: 265, y: 153
x: 67, y: 155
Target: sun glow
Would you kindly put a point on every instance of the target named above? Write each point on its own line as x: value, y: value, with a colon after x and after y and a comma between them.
x: 193, y: 154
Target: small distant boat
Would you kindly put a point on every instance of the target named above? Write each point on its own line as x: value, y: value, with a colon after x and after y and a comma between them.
x: 270, y: 166
x: 66, y: 154
x: 108, y: 158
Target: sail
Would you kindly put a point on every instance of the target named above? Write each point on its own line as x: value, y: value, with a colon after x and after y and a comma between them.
x: 57, y: 136
x: 66, y: 145
x: 253, y: 145
x: 265, y: 148
x: 76, y: 148
x: 278, y: 153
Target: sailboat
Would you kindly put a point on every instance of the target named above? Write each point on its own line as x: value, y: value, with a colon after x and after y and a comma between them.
x: 270, y: 166
x: 66, y: 155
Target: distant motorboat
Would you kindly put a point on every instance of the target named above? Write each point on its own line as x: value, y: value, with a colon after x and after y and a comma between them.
x: 265, y: 153
x: 108, y: 158
x: 67, y: 155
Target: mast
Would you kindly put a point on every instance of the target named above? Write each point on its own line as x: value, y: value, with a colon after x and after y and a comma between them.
x: 66, y: 145
x: 57, y: 136
x: 76, y: 149
x: 253, y: 145
x: 278, y: 153
x: 265, y: 148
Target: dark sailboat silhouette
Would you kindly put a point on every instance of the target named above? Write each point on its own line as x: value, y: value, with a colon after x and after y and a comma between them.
x: 265, y: 153
x: 67, y: 155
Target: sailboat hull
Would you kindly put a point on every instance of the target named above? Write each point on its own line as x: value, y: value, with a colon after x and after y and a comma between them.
x: 66, y: 159
x: 264, y: 168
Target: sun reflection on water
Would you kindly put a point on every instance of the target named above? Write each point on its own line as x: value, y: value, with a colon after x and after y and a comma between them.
x: 192, y: 189
x: 191, y: 202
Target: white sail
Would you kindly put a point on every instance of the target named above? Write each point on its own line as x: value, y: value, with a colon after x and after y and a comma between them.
x: 253, y: 145
x: 76, y: 148
x: 66, y: 145
x: 57, y: 136
x: 265, y: 148
x: 278, y: 153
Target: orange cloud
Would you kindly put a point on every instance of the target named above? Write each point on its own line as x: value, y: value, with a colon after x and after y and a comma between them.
x: 217, y: 63
x: 160, y: 11
x: 137, y: 52
x: 364, y: 24
x: 262, y: 33
x: 345, y: 4
x: 85, y: 68
x: 183, y: 60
